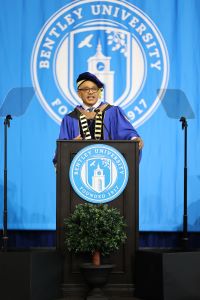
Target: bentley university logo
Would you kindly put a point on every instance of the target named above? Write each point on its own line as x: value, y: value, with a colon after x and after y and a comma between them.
x: 98, y: 173
x: 114, y: 40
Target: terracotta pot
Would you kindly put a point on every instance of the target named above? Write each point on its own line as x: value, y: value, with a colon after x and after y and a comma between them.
x: 96, y: 258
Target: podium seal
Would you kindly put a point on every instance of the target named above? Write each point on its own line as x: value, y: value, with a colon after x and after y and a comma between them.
x: 98, y: 173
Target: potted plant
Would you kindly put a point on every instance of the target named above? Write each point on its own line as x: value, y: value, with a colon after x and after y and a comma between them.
x: 94, y: 228
x: 99, y: 230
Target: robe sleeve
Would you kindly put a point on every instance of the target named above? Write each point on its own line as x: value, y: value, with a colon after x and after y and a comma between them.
x: 69, y: 129
x: 121, y: 128
x: 65, y: 134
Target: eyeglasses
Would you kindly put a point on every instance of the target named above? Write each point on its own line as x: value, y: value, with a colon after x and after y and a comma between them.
x: 87, y: 90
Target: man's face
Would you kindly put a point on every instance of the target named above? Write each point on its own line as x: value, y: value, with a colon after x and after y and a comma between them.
x: 89, y: 93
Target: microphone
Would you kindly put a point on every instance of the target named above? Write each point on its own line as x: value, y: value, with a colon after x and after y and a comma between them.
x: 83, y: 136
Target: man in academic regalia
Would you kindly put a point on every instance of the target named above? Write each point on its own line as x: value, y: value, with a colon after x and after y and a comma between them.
x: 95, y: 119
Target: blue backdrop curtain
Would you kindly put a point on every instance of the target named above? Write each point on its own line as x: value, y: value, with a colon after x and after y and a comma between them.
x: 31, y: 137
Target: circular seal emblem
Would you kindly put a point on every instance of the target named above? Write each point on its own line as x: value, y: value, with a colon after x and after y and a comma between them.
x: 98, y: 173
x: 113, y: 39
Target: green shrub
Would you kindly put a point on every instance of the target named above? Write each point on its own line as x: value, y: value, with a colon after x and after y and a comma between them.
x: 94, y: 227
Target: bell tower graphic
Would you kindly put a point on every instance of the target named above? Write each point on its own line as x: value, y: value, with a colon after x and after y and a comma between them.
x: 98, y: 180
x: 99, y: 64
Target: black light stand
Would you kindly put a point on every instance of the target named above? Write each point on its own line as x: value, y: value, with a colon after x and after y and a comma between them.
x: 5, y: 212
x: 185, y: 216
x: 15, y: 104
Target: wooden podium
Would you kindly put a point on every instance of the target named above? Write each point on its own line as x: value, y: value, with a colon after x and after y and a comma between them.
x: 122, y: 279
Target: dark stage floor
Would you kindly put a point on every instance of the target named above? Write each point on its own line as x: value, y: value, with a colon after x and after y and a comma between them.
x: 110, y: 298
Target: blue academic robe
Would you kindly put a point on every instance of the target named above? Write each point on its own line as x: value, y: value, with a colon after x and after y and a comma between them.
x: 116, y: 126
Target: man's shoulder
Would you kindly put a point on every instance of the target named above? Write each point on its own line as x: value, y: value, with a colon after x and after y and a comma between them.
x: 104, y: 106
x: 112, y: 108
x: 73, y: 114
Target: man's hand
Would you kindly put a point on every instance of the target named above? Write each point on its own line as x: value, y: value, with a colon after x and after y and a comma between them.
x: 140, y: 144
x: 78, y: 137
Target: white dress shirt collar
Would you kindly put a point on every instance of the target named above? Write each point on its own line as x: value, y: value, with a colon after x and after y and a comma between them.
x: 86, y: 107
